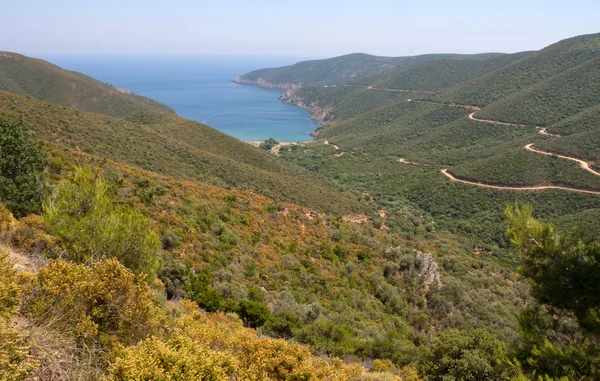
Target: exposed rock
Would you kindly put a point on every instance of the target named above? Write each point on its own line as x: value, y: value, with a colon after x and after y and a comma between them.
x: 357, y: 218
x: 428, y: 269
x: 318, y: 113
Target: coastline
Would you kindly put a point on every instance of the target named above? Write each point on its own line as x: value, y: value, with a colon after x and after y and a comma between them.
x: 317, y: 113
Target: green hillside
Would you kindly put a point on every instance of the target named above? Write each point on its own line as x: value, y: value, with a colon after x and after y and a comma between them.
x: 537, y: 67
x: 547, y: 102
x: 436, y: 75
x: 174, y: 146
x: 556, y: 87
x: 42, y: 80
x: 338, y: 70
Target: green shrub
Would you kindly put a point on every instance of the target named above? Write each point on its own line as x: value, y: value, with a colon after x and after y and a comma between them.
x: 283, y: 324
x: 461, y: 355
x: 256, y: 295
x: 201, y: 292
x: 268, y: 144
x: 21, y: 167
x: 90, y: 224
x: 253, y: 314
x: 176, y: 277
x: 328, y: 337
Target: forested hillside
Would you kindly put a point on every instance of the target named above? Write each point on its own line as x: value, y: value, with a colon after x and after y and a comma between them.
x: 339, y: 70
x: 42, y: 80
x: 435, y: 75
x: 394, y: 144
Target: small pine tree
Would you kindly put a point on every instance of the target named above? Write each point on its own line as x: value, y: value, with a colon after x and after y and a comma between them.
x: 90, y: 224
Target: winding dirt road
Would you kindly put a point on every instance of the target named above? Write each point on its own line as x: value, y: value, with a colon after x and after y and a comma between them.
x: 582, y: 164
x: 522, y: 189
x: 529, y: 147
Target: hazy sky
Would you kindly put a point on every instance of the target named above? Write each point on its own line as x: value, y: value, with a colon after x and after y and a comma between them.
x: 305, y: 28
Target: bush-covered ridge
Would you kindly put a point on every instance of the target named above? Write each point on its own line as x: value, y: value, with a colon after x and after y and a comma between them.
x: 176, y: 147
x: 436, y: 75
x: 339, y: 70
x: 42, y: 80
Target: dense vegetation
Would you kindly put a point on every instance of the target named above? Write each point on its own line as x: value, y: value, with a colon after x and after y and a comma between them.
x: 42, y: 80
x: 339, y: 70
x: 440, y: 74
x: 562, y: 95
x: 176, y: 147
x: 136, y: 270
x: 536, y: 68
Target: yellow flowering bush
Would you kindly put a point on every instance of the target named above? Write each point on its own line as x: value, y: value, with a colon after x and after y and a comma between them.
x: 15, y: 362
x: 178, y: 358
x: 104, y: 302
x: 217, y: 347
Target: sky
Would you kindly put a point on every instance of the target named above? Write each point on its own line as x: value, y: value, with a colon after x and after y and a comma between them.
x: 307, y: 28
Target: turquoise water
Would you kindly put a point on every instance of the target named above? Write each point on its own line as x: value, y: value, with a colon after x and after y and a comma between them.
x: 200, y: 89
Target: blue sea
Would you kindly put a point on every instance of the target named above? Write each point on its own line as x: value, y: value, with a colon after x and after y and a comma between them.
x: 200, y: 88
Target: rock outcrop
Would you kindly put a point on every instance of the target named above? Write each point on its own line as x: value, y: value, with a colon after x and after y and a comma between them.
x: 318, y: 113
x: 428, y: 269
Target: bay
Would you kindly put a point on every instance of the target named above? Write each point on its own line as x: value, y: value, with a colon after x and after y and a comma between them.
x: 201, y: 89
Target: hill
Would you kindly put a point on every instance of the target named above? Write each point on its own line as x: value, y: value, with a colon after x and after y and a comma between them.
x: 435, y: 75
x: 538, y: 67
x: 44, y: 81
x: 394, y: 144
x: 177, y: 147
x: 338, y: 70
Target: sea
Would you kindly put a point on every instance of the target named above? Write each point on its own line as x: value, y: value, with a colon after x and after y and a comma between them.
x: 201, y: 89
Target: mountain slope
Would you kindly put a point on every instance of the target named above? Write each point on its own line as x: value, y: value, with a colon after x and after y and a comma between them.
x: 436, y: 75
x: 338, y: 70
x: 538, y: 67
x: 42, y: 80
x: 396, y: 148
x: 175, y: 147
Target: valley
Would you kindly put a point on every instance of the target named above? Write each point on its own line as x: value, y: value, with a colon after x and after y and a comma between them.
x: 443, y: 224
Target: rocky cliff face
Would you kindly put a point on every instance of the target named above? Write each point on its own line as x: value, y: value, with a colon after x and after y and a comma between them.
x: 318, y: 113
x: 263, y: 83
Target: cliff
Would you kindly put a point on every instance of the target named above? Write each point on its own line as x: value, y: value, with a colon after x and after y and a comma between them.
x: 318, y: 112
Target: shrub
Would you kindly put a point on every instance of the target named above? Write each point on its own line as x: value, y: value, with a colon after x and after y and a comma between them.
x: 169, y: 240
x: 201, y: 292
x: 179, y: 358
x: 253, y: 314
x: 21, y: 167
x: 29, y: 234
x: 7, y: 220
x: 461, y: 355
x: 176, y: 277
x: 100, y: 304
x: 328, y: 337
x: 15, y: 361
x: 90, y: 224
x: 268, y: 144
x: 283, y: 324
x: 256, y: 295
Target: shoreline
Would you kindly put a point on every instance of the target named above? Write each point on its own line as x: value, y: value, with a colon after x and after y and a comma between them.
x: 286, y: 87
